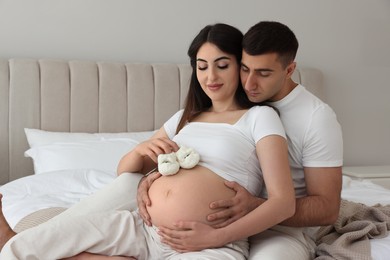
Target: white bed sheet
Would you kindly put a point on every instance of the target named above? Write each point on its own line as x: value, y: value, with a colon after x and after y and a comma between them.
x: 64, y: 188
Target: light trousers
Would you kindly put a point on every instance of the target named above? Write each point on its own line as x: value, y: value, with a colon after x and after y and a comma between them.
x: 280, y: 243
x: 104, y: 224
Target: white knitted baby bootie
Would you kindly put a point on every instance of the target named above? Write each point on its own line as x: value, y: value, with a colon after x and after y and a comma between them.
x: 168, y: 164
x: 187, y: 157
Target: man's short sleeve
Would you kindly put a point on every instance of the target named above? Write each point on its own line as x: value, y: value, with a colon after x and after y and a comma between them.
x: 324, y: 142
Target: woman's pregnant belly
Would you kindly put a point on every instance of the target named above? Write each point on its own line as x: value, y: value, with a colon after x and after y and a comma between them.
x: 186, y: 196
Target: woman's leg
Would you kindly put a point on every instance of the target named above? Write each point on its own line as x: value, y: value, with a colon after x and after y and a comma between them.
x: 89, y: 256
x: 120, y: 194
x: 117, y: 233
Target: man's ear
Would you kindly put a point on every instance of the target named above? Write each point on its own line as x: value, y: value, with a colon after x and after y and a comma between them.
x: 291, y: 68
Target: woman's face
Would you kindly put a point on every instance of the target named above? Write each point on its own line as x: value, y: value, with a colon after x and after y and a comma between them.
x: 217, y: 73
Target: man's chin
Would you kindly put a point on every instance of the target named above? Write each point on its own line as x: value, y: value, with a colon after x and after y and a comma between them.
x: 256, y: 99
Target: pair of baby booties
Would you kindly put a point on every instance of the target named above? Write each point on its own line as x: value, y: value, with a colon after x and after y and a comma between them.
x: 170, y: 163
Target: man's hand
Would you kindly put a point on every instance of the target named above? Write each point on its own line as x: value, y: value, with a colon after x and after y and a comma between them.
x: 232, y: 209
x: 143, y: 199
x: 191, y: 236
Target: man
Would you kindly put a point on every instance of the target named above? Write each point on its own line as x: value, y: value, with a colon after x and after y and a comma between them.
x: 315, y: 151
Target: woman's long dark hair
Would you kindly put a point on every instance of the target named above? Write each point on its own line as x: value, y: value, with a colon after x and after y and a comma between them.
x: 229, y: 40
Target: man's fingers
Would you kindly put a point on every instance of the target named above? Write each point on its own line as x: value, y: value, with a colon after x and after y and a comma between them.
x: 146, y: 200
x: 233, y: 185
x: 143, y: 196
x: 225, y: 223
x: 144, y: 215
x: 221, y: 204
x: 220, y: 215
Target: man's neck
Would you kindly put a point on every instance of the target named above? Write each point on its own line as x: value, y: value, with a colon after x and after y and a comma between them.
x: 289, y: 86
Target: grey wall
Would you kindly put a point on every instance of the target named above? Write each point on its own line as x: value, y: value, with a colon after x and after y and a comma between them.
x: 348, y: 40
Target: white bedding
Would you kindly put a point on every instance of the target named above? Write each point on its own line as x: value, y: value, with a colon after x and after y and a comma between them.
x: 370, y: 194
x: 52, y: 189
x: 66, y: 187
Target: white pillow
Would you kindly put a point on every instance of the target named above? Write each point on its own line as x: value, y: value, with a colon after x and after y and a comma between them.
x: 99, y: 155
x: 56, y: 151
x: 37, y: 137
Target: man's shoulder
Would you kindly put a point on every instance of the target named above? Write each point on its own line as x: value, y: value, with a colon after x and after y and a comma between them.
x: 308, y: 103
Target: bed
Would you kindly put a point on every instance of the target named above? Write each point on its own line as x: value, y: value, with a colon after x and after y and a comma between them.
x: 65, y: 124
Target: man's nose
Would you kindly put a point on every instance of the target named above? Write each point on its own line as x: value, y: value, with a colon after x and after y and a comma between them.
x: 250, y: 82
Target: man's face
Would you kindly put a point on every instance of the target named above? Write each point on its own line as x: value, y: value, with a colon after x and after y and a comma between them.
x: 263, y: 77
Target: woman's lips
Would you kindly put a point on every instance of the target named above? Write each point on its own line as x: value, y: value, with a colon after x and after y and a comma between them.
x: 214, y: 87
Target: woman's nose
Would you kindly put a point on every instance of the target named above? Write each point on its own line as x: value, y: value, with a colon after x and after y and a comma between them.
x: 212, y: 75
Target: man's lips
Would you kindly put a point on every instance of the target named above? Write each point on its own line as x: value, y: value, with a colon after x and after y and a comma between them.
x: 251, y: 93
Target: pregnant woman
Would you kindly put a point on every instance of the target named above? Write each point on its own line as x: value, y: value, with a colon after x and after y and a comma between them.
x: 236, y: 141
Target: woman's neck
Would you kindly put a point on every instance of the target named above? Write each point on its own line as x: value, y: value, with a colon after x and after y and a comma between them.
x: 219, y: 107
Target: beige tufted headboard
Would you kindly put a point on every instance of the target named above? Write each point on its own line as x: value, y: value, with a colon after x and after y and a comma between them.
x: 84, y: 96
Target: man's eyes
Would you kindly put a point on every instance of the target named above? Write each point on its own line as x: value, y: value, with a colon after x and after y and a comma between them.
x: 264, y: 73
x: 244, y: 69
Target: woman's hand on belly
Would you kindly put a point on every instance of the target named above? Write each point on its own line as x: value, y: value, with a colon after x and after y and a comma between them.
x: 189, y: 236
x: 186, y: 196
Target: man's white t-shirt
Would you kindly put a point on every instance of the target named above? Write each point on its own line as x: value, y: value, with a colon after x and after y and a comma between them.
x: 314, y: 135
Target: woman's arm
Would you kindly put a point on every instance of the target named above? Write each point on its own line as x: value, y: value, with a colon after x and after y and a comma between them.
x: 273, y: 157
x: 280, y: 205
x: 143, y: 157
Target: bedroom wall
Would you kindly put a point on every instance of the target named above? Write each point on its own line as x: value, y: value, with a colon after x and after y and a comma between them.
x: 348, y: 40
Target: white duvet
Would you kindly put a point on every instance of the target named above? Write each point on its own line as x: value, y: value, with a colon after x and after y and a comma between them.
x: 53, y: 189
x: 65, y: 188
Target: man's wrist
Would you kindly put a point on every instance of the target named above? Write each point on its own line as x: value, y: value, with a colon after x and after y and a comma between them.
x: 146, y: 175
x: 141, y: 180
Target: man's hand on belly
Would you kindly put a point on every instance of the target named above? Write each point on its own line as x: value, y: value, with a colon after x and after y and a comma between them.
x: 235, y: 208
x: 143, y: 199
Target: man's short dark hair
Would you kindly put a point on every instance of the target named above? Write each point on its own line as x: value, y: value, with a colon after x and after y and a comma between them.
x: 271, y: 37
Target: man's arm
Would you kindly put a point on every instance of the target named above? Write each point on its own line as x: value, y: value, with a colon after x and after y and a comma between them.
x: 321, y: 205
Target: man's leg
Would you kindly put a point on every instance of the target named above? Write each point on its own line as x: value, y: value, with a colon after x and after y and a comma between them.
x: 282, y: 243
x: 233, y: 251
